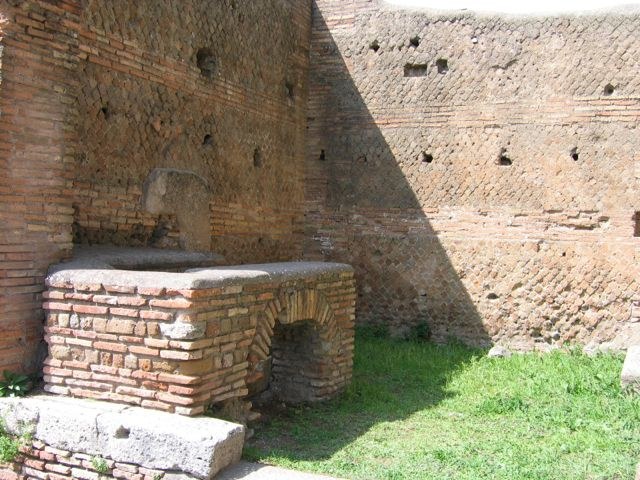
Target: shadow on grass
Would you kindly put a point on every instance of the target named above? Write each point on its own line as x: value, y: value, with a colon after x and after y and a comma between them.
x: 417, y: 410
x: 393, y: 379
x: 404, y: 275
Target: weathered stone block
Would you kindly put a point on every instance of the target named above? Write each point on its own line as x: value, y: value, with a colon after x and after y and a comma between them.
x: 186, y: 195
x: 155, y: 440
x: 630, y: 377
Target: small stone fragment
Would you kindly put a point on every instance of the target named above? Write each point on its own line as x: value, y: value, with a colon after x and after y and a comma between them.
x: 498, y: 351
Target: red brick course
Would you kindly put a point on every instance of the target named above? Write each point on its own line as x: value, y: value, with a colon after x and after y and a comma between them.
x: 36, y: 149
x: 100, y: 350
x: 41, y: 461
x: 90, y: 106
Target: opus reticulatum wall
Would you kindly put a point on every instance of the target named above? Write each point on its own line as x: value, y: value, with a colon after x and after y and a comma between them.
x: 481, y: 173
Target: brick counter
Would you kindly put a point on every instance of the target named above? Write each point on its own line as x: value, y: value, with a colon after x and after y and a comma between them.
x: 179, y: 342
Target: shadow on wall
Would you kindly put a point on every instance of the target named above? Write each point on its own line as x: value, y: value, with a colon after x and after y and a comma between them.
x: 362, y: 210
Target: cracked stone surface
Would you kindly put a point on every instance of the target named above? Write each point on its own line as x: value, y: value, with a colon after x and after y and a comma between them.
x: 97, y: 265
x: 198, y: 447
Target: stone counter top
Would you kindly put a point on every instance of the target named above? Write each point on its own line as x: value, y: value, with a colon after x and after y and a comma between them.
x: 125, y: 267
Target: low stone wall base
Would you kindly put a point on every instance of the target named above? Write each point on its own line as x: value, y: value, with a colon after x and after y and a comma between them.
x: 77, y: 438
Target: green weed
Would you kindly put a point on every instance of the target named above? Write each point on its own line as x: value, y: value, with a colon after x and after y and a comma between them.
x: 99, y: 464
x: 9, y: 446
x: 14, y: 385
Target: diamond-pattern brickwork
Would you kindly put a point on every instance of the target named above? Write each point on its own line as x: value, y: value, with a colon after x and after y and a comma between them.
x: 492, y: 195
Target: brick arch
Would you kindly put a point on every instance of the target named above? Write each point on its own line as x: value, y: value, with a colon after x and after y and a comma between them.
x: 308, y: 339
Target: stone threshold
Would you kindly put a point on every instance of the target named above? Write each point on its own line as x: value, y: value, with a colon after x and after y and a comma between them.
x: 80, y: 438
x: 257, y: 471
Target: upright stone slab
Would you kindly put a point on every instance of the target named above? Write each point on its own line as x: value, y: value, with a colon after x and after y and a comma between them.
x: 630, y: 377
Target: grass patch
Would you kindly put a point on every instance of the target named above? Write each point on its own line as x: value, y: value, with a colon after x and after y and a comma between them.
x: 9, y: 446
x: 419, y: 411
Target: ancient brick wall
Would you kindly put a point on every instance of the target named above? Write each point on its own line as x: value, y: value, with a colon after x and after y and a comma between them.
x: 36, y: 147
x: 481, y: 173
x: 39, y: 460
x: 216, y: 88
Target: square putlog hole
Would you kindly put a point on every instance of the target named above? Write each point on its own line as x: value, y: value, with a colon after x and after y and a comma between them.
x: 415, y: 70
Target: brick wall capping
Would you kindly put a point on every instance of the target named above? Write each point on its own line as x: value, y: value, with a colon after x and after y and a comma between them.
x: 444, y: 13
x: 122, y: 267
x: 199, y: 447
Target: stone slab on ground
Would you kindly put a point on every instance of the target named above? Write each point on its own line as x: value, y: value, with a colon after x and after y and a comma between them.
x: 199, y: 447
x: 630, y: 377
x: 257, y: 471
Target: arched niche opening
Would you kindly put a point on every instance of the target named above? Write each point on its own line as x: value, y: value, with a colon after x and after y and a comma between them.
x: 296, y: 355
